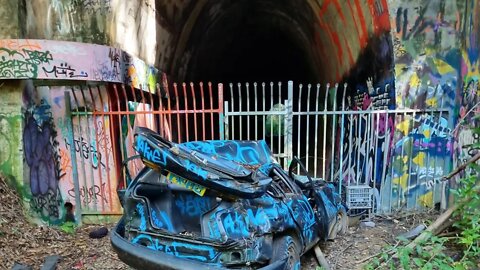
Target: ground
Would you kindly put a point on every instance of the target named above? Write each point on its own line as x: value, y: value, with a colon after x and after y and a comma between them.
x: 26, y: 243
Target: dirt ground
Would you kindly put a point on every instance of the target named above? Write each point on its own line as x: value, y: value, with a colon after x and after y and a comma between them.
x: 350, y: 250
x: 28, y: 244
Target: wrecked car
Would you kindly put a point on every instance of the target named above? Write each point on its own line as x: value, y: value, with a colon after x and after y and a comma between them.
x: 221, y: 204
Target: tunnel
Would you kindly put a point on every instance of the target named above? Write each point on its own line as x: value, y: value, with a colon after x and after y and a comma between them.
x: 305, y: 41
x: 278, y: 40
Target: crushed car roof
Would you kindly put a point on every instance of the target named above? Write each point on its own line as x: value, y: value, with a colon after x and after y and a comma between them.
x: 238, y: 168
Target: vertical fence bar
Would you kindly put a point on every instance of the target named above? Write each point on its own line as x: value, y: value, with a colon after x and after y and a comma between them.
x: 342, y: 134
x: 71, y: 141
x: 325, y: 118
x: 240, y: 109
x: 256, y: 109
x: 89, y: 150
x: 315, y: 157
x: 411, y: 125
x: 307, y: 155
x: 392, y: 171
x: 279, y: 131
x: 203, y: 113
x: 298, y: 123
x: 97, y: 151
x: 247, y: 85
x: 143, y: 105
x: 272, y: 116
x: 220, y: 113
x: 130, y: 126
x: 84, y: 180
x: 264, y: 108
x: 177, y: 105
x: 227, y: 122
x: 359, y: 147
x: 386, y: 155
x: 119, y: 118
x: 220, y: 103
x: 232, y: 110
x: 289, y: 123
x: 107, y: 154
x: 350, y: 147
x: 334, y: 127
x: 194, y: 110
x: 185, y: 99
x: 169, y: 108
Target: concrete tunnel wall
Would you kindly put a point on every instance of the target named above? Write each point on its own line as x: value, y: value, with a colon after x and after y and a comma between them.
x: 402, y: 42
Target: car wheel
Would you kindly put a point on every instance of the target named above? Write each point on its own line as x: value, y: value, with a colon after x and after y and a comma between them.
x: 286, y: 247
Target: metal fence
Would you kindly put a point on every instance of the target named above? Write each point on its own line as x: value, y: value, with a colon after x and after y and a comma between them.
x: 384, y: 158
x: 103, y: 119
x: 355, y: 139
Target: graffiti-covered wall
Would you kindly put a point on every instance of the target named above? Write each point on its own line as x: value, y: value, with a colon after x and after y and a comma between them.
x: 10, y: 128
x: 47, y: 147
x: 44, y: 145
x: 436, y: 61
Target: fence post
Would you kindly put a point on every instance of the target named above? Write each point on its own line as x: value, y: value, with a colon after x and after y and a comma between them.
x: 220, y: 111
x: 289, y: 124
x: 73, y: 158
x: 342, y: 134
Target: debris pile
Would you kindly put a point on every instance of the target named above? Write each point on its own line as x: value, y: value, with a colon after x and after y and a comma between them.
x: 27, y: 244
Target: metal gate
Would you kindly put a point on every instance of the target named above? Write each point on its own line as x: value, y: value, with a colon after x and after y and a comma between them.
x: 101, y: 122
x: 357, y: 140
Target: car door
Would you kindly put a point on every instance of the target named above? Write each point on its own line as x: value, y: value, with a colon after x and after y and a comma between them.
x: 298, y: 206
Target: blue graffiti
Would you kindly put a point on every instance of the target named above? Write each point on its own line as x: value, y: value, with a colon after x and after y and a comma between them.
x: 194, y: 168
x: 250, y: 153
x: 143, y: 220
x: 259, y: 219
x: 154, y: 155
x: 192, y: 205
x: 303, y: 212
x: 162, y: 221
x: 213, y: 227
x: 235, y: 225
x: 177, y: 249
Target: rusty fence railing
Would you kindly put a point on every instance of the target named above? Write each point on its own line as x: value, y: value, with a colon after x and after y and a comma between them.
x: 355, y: 139
x: 103, y: 120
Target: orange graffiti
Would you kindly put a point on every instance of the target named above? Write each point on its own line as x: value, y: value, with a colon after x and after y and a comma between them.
x: 15, y: 44
x: 65, y: 162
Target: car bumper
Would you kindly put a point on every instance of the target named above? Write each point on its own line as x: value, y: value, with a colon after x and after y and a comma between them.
x: 141, y: 257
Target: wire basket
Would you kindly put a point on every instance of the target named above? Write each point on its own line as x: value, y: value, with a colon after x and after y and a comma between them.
x: 359, y: 197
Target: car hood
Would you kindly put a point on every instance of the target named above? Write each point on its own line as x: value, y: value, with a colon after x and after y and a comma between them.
x: 238, y: 168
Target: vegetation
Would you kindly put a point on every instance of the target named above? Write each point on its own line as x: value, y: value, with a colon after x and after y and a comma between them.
x: 457, y: 249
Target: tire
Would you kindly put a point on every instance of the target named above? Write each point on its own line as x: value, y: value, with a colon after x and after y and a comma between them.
x: 286, y: 247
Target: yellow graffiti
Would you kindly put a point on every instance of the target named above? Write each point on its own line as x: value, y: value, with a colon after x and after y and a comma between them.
x: 414, y: 80
x: 443, y: 67
x: 419, y: 159
x: 404, y: 127
x: 132, y: 73
x: 426, y: 199
x: 431, y: 102
x: 426, y: 133
x: 401, y: 181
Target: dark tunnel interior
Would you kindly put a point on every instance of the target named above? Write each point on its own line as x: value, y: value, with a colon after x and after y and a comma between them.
x: 240, y: 41
x: 250, y: 41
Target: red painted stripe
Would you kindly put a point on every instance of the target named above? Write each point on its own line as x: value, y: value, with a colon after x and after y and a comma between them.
x: 355, y: 21
x: 339, y: 11
x: 364, y: 35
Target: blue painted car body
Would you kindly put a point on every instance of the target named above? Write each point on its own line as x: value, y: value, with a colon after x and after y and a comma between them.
x: 232, y: 203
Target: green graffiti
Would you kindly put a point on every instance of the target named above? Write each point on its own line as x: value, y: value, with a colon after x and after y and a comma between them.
x: 10, y: 160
